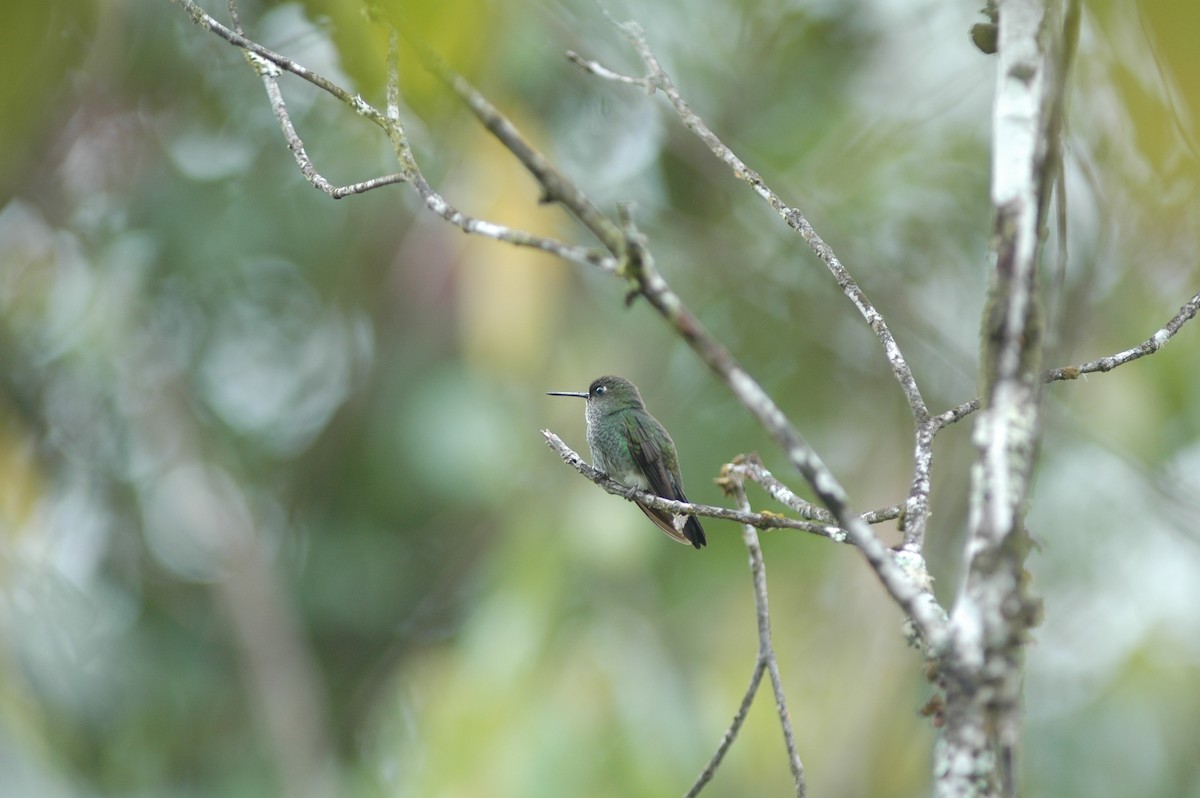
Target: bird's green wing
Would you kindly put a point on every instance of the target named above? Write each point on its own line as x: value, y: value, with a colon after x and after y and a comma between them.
x: 653, y: 453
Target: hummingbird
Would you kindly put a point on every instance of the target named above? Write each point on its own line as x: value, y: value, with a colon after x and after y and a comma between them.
x: 630, y: 446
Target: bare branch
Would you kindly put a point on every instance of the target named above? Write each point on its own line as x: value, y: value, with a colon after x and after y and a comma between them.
x: 757, y: 520
x: 601, y: 71
x: 636, y: 265
x: 916, y: 506
x: 980, y: 651
x: 1147, y: 347
x: 917, y: 602
x: 209, y: 23
x: 556, y: 186
x: 750, y: 467
x: 660, y: 80
x: 766, y: 650
x: 268, y: 63
x: 742, y: 467
x: 269, y: 73
x: 957, y: 413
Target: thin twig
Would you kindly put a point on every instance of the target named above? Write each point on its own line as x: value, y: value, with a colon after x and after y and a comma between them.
x: 556, y: 187
x: 750, y: 467
x: 957, y: 413
x: 202, y: 18
x: 1105, y: 364
x: 1148, y: 347
x: 601, y: 71
x: 766, y: 650
x: 269, y: 73
x: 765, y: 661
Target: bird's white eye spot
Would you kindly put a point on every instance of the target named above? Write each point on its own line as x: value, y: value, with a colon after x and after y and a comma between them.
x: 600, y: 389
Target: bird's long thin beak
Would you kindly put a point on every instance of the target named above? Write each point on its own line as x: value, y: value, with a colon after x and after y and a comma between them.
x: 567, y: 393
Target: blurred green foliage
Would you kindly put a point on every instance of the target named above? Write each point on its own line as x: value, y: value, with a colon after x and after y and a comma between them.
x: 203, y: 357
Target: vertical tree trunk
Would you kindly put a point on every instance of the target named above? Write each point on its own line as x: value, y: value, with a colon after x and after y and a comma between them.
x: 983, y: 669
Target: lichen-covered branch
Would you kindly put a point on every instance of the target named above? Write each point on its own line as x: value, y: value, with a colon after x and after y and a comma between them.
x: 916, y: 508
x: 1148, y: 347
x: 982, y: 673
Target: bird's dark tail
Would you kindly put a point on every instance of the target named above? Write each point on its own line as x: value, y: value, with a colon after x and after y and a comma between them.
x: 694, y: 532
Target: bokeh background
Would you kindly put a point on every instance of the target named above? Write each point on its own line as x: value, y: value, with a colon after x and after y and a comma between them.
x: 272, y: 488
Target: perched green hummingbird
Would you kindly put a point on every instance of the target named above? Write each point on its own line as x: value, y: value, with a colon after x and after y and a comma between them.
x: 630, y: 446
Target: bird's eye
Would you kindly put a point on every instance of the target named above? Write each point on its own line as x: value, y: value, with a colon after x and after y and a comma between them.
x: 600, y: 389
